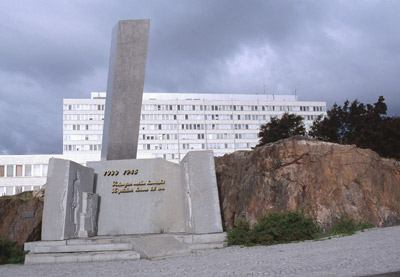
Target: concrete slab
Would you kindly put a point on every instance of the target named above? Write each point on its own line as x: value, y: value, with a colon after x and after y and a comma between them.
x: 29, y: 246
x: 83, y: 248
x: 204, y: 246
x: 159, y: 247
x: 98, y: 240
x: 81, y: 257
x: 201, y: 238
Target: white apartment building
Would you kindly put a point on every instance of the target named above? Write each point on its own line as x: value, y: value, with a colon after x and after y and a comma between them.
x: 171, y: 125
x: 174, y: 123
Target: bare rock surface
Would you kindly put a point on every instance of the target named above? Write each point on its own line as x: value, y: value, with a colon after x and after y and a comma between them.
x: 21, y: 217
x: 323, y: 179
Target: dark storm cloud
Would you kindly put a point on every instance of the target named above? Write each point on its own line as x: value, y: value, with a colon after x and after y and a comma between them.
x: 325, y: 50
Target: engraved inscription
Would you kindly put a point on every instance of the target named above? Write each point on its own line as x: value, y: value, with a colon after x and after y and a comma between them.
x: 121, y: 187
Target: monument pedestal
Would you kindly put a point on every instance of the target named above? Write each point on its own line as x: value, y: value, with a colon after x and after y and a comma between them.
x: 114, y: 248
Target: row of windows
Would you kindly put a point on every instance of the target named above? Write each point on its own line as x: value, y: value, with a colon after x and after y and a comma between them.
x: 16, y: 189
x: 169, y: 156
x: 83, y: 117
x: 204, y: 117
x: 174, y: 146
x: 196, y: 146
x: 199, y: 126
x: 158, y: 137
x: 83, y: 127
x: 147, y: 107
x: 163, y: 137
x: 83, y: 147
x: 26, y: 170
x: 82, y: 137
x: 310, y: 117
x: 197, y: 136
x: 83, y: 107
x: 313, y: 108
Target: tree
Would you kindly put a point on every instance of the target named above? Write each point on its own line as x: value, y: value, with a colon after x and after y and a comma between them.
x: 366, y: 126
x: 288, y: 125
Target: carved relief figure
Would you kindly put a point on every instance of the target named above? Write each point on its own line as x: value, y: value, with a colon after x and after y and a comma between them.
x: 74, y: 215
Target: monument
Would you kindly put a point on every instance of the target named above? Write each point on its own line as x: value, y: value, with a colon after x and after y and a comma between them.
x: 122, y: 207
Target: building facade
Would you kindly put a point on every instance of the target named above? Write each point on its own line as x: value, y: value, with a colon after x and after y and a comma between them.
x: 171, y: 125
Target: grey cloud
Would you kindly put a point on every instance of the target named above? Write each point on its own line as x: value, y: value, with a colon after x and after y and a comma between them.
x: 326, y: 50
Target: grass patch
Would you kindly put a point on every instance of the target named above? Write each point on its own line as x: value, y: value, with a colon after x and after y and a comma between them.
x: 10, y: 253
x: 274, y: 228
x: 345, y: 225
x: 284, y: 227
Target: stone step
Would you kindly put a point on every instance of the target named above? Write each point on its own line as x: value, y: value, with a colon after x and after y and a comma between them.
x: 203, y: 246
x: 83, y: 248
x: 81, y: 257
x: 159, y: 247
x: 29, y: 246
x: 98, y: 241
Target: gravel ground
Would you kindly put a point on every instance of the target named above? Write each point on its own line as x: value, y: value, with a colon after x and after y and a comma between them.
x: 365, y: 253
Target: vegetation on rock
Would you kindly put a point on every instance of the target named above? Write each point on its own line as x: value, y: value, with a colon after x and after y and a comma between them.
x: 288, y: 226
x: 274, y: 228
x: 279, y: 128
x: 346, y: 225
x: 366, y: 126
x: 10, y: 253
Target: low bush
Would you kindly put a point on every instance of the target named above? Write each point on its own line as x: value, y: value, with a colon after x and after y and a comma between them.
x: 273, y: 228
x: 345, y: 225
x: 10, y: 253
x: 283, y: 227
x: 240, y: 235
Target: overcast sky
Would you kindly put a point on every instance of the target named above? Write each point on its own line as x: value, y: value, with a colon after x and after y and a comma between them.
x: 325, y: 50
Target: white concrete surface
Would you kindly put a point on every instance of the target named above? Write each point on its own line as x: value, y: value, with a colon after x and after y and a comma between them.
x: 371, y: 252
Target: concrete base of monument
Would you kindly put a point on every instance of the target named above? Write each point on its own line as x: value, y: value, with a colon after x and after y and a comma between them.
x: 114, y: 248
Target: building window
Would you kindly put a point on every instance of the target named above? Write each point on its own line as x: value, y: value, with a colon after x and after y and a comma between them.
x: 27, y: 188
x: 9, y: 191
x: 1, y: 170
x: 36, y: 170
x: 18, y: 171
x: 28, y: 170
x: 18, y: 189
x: 10, y: 171
x: 44, y: 170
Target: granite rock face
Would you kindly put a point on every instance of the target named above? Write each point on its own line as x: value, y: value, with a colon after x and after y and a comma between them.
x: 21, y: 220
x: 325, y: 180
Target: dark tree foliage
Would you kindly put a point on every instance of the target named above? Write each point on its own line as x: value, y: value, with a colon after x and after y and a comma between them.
x: 288, y: 125
x: 363, y: 125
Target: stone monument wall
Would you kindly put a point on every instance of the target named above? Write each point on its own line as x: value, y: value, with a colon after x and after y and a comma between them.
x: 138, y: 196
x: 66, y: 182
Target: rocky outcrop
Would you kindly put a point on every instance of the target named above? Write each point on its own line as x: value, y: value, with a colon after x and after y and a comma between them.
x: 21, y: 217
x: 323, y: 179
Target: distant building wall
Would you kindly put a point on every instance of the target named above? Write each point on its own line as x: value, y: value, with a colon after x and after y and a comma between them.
x: 174, y: 123
x: 171, y: 125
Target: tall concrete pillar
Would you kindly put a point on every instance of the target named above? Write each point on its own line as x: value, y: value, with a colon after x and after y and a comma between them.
x: 125, y: 89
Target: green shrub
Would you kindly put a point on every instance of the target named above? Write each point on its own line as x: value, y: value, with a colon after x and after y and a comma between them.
x: 10, y: 253
x: 240, y: 234
x: 284, y: 227
x: 274, y: 228
x: 348, y: 226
